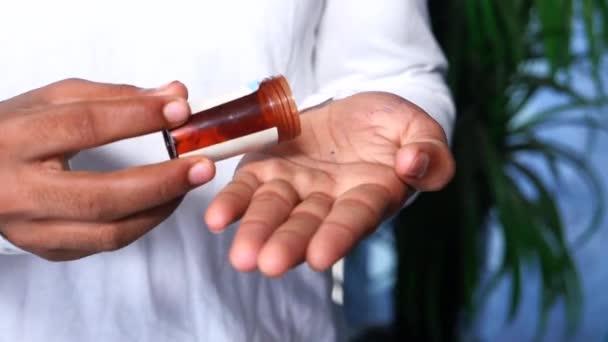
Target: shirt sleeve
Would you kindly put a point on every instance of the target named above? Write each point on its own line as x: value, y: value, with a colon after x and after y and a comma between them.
x: 384, y: 45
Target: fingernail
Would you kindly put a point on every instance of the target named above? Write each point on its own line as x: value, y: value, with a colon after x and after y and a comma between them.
x: 200, y: 173
x: 176, y: 111
x: 419, y: 166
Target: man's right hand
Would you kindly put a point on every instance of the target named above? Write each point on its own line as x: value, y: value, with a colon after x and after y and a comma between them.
x: 60, y: 214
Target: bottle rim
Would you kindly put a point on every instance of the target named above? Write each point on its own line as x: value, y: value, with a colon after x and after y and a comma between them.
x: 282, y: 104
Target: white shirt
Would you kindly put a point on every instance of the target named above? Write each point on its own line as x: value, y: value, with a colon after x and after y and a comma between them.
x: 176, y: 284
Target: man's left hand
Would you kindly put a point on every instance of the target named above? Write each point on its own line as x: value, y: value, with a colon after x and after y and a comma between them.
x: 312, y: 199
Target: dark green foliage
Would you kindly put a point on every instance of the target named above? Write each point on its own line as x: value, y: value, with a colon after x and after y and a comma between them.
x: 492, y: 47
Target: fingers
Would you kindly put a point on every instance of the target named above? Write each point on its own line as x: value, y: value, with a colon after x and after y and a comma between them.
x: 354, y: 215
x: 287, y: 246
x: 270, y: 206
x: 317, y: 230
x: 85, y: 196
x: 71, y: 90
x: 76, y: 126
x: 425, y: 165
x: 230, y: 204
x: 69, y: 240
x: 60, y: 119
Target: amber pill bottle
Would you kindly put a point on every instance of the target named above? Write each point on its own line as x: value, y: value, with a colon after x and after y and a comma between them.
x: 262, y: 118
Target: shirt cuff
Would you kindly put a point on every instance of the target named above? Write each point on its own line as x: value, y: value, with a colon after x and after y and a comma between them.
x: 7, y: 248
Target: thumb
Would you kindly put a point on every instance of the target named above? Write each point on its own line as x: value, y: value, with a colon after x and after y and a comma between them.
x: 426, y: 165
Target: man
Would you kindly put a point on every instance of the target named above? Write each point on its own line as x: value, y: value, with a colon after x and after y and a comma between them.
x: 378, y: 132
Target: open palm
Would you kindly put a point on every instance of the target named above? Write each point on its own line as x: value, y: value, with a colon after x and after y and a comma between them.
x: 313, y: 199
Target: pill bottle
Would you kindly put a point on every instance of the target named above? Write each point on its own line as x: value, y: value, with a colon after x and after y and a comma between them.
x: 266, y: 116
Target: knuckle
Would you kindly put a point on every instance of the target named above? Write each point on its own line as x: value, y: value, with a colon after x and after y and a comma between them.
x: 16, y: 201
x: 307, y: 215
x: 82, y: 125
x: 96, y: 206
x: 321, y: 197
x: 57, y: 91
x: 271, y: 169
x: 361, y: 204
x: 149, y: 109
x: 254, y: 223
x: 71, y: 82
x: 272, y: 195
x: 345, y: 231
x: 124, y: 89
x: 240, y: 186
x: 291, y: 235
x: 85, y: 125
x: 277, y: 194
x: 168, y: 189
x: 9, y: 136
x: 15, y: 129
x: 152, y: 106
x: 318, y: 202
x: 246, y: 180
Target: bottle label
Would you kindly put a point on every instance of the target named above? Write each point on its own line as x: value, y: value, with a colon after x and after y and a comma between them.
x: 248, y: 143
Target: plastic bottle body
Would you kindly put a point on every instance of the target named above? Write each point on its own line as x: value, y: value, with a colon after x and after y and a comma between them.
x: 265, y: 117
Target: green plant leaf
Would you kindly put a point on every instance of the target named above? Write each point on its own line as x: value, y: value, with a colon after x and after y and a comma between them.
x: 472, y: 24
x: 548, y: 245
x: 555, y: 18
x: 518, y: 104
x: 602, y: 10
x: 587, y: 122
x: 589, y: 24
x: 550, y: 82
x: 554, y: 111
x: 491, y: 89
x: 575, y: 299
x: 593, y: 33
x: 546, y: 203
x: 508, y: 12
x: 584, y: 170
x: 510, y: 227
x: 491, y: 30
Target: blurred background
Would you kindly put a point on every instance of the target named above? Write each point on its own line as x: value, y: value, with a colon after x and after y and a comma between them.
x: 516, y: 247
